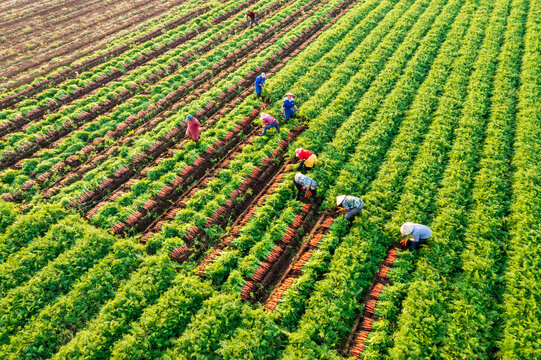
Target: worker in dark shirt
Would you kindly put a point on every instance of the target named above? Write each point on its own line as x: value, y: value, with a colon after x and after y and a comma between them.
x: 253, y: 19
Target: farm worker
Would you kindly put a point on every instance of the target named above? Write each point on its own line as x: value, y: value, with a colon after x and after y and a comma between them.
x: 289, y: 107
x: 253, y: 19
x: 259, y: 82
x: 192, y: 130
x: 420, y: 233
x: 304, y: 184
x: 308, y: 159
x: 352, y: 206
x: 269, y: 122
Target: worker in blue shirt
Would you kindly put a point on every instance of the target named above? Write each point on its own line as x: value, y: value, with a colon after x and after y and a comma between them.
x: 420, y: 233
x: 288, y: 106
x: 259, y: 82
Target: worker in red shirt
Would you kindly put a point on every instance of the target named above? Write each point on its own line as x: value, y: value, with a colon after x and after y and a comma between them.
x: 307, y: 159
x: 253, y: 19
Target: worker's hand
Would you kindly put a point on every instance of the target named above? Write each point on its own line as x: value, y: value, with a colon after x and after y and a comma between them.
x: 340, y: 209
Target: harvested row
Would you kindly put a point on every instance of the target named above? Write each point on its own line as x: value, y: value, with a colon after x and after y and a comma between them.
x: 43, y: 134
x: 41, y: 64
x: 137, y: 60
x: 295, y: 269
x: 269, y: 271
x: 156, y: 150
x: 50, y: 33
x: 363, y: 324
x: 150, y: 30
x: 179, y: 165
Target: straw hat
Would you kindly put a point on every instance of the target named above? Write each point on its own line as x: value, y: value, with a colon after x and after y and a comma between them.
x: 340, y: 199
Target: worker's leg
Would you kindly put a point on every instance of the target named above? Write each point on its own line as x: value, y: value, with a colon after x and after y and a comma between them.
x: 416, y: 244
x: 299, y: 191
x: 265, y: 129
x: 350, y: 216
x: 251, y: 22
x: 276, y: 126
x: 301, y: 166
x: 257, y: 95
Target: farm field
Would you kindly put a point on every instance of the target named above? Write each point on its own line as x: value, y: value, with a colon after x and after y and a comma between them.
x: 121, y: 238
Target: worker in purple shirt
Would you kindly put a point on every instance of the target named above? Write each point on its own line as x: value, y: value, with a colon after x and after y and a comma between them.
x: 420, y: 234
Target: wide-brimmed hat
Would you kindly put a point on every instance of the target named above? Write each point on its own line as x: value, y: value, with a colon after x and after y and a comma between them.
x: 289, y: 94
x: 188, y: 117
x: 298, y: 152
x: 406, y: 228
x: 340, y: 199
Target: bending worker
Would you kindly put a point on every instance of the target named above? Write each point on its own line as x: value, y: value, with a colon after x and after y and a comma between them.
x: 304, y: 184
x: 258, y: 85
x: 193, y: 128
x: 289, y: 107
x: 253, y: 19
x: 420, y: 233
x: 268, y: 123
x: 308, y: 159
x: 352, y: 206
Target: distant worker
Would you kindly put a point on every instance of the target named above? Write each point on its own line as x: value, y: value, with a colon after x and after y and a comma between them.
x: 259, y: 82
x: 193, y: 128
x: 253, y: 19
x: 308, y: 159
x: 352, y: 205
x: 268, y: 123
x: 289, y: 107
x: 304, y: 184
x: 420, y: 233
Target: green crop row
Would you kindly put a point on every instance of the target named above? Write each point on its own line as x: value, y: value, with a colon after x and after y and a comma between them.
x: 521, y: 298
x: 476, y: 293
x: 55, y: 324
x: 19, y: 304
